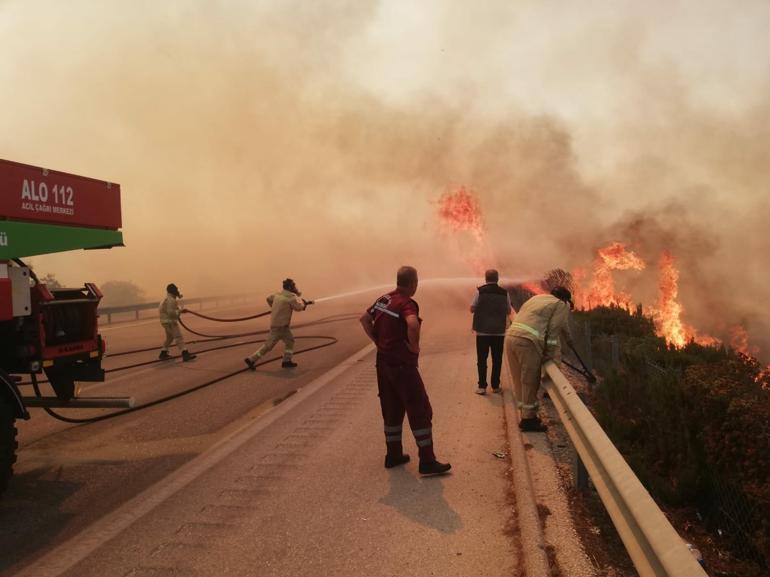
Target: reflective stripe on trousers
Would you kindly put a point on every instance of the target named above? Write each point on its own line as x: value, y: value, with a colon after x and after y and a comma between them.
x: 423, y: 437
x: 392, y: 433
x: 535, y: 405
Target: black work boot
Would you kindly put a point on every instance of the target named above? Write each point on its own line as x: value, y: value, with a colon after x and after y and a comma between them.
x: 251, y: 364
x: 433, y: 468
x: 532, y: 425
x: 395, y: 460
x: 187, y: 356
x: 164, y: 356
x: 288, y: 364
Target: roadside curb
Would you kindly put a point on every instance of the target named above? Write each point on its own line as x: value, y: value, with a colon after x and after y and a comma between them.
x: 535, y: 559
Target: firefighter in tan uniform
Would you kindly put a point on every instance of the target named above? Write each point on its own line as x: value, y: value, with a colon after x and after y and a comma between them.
x: 533, y: 338
x: 169, y: 312
x: 282, y: 306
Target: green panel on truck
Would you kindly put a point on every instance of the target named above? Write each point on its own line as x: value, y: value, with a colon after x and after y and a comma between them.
x: 23, y: 239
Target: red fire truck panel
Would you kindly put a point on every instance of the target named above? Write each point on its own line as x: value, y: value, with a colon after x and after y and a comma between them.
x: 41, y: 195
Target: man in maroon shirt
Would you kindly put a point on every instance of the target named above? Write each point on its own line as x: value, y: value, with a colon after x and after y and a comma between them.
x: 393, y: 323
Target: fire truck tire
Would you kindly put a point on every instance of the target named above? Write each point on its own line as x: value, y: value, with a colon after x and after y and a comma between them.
x: 8, y: 443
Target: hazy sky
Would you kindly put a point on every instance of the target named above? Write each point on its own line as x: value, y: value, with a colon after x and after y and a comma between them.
x: 258, y: 140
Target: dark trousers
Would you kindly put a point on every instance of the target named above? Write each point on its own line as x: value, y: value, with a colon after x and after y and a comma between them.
x: 484, y: 344
x: 402, y: 391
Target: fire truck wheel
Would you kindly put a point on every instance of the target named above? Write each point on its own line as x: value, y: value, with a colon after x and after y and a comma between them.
x: 7, y: 443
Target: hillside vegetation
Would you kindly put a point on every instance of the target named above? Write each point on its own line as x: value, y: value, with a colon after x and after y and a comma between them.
x: 693, y: 423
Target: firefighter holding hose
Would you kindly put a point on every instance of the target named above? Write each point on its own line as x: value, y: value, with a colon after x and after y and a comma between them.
x: 169, y: 311
x: 282, y: 306
x: 532, y: 339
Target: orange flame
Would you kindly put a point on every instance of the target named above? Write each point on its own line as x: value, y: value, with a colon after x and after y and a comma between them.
x: 668, y: 313
x: 739, y: 340
x: 534, y: 287
x: 602, y: 290
x: 459, y: 212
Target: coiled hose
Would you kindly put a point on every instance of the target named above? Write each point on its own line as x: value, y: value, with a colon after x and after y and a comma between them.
x: 208, y: 338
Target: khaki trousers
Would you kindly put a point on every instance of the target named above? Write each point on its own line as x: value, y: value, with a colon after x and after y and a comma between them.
x: 173, y: 333
x: 277, y: 334
x: 525, y: 363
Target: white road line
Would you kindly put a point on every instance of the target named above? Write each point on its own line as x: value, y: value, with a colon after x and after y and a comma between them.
x: 79, y: 547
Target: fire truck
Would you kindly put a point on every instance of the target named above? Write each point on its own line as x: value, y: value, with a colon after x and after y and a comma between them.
x: 50, y: 334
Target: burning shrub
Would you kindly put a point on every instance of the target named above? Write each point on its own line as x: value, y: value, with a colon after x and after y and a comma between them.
x: 693, y: 422
x: 519, y: 295
x: 559, y: 277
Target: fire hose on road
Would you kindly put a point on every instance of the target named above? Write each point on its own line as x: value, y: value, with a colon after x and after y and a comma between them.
x: 207, y: 339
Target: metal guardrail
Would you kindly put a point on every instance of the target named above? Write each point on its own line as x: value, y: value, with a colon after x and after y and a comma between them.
x: 137, y: 308
x: 654, y: 546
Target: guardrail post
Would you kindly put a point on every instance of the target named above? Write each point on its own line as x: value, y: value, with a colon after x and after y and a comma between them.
x: 136, y: 314
x: 581, y: 473
x: 109, y: 318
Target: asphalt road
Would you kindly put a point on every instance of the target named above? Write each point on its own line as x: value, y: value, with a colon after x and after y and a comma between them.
x: 68, y: 476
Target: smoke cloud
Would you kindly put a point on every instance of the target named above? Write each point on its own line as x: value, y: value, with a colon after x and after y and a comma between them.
x: 259, y: 140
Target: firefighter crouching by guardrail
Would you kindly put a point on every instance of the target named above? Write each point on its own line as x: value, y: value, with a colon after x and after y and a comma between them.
x: 282, y: 306
x: 534, y: 337
x: 169, y: 311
